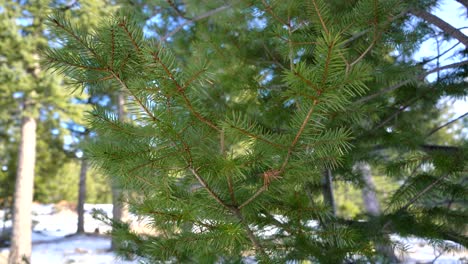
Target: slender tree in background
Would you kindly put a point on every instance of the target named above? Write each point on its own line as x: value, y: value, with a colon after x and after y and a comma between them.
x: 36, y: 105
x: 20, y: 249
x: 236, y: 120
x: 119, y: 206
x: 82, y: 195
x: 32, y: 85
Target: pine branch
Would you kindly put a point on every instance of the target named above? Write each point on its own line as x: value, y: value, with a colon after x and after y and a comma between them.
x: 208, y: 189
x: 257, y: 137
x: 320, y: 17
x: 177, y: 10
x: 416, y: 197
x: 142, y: 105
x: 446, y: 124
x: 306, y: 81
x: 374, y: 40
x: 200, y: 17
x: 79, y: 66
x: 234, y: 210
x: 405, y: 82
x: 363, y: 54
x: 123, y: 25
x: 397, y: 112
x: 444, y: 26
x: 269, y: 9
x: 298, y: 134
x: 365, y: 31
x: 77, y: 38
x: 258, y: 247
x: 181, y: 91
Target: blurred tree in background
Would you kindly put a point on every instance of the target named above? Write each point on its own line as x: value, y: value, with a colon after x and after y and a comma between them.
x: 34, y: 109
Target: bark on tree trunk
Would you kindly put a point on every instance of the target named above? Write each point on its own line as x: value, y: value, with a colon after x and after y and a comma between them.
x: 20, y: 250
x: 327, y: 189
x: 82, y: 195
x: 119, y: 209
x: 369, y: 196
x: 372, y: 205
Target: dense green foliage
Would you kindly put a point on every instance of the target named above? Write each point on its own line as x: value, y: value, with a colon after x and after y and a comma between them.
x: 28, y: 90
x: 236, y: 117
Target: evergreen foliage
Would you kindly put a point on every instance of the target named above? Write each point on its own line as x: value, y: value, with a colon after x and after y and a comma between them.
x: 234, y: 122
x: 23, y: 35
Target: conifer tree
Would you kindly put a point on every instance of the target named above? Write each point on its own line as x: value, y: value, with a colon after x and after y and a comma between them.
x: 237, y: 112
x: 27, y: 83
x: 36, y: 106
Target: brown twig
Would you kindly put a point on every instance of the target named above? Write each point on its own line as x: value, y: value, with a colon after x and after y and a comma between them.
x: 416, y: 197
x: 407, y: 81
x: 320, y: 17
x: 200, y: 17
x: 180, y: 90
x: 208, y: 189
x: 269, y: 9
x: 446, y: 124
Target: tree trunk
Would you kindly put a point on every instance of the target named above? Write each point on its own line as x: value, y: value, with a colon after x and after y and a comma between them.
x: 119, y: 209
x: 327, y: 190
x: 82, y: 195
x: 20, y: 250
x: 369, y: 196
x: 372, y: 205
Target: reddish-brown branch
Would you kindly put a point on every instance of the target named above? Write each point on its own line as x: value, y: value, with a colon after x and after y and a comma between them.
x: 269, y: 9
x: 180, y: 89
x: 307, y: 81
x: 208, y: 189
x: 125, y: 28
x: 142, y: 105
x: 298, y: 134
x: 77, y: 38
x: 255, y: 195
x: 327, y: 64
x: 173, y: 6
x: 320, y: 17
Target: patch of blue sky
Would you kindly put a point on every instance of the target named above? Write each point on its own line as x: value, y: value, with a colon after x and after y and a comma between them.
x: 456, y: 15
x: 257, y: 23
x: 24, y: 21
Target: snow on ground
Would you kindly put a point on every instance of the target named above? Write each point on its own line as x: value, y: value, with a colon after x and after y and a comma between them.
x: 53, y: 242
x: 421, y: 251
x: 75, y: 249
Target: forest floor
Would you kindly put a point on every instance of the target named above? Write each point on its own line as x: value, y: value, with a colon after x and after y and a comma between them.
x: 54, y: 241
